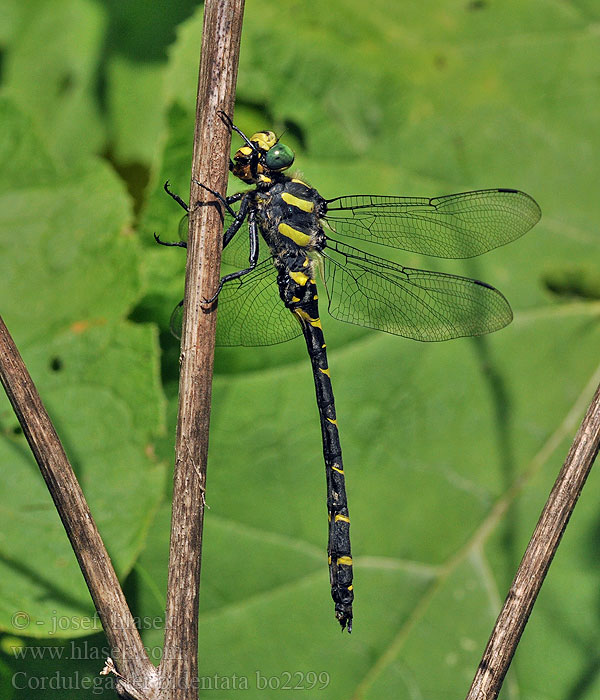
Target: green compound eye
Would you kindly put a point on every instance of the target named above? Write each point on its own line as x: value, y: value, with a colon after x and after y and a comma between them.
x: 279, y: 157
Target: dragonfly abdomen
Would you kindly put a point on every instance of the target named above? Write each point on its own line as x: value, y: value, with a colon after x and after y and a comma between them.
x: 298, y: 291
x: 338, y: 547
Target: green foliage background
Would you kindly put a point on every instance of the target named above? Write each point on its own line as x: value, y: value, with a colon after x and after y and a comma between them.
x: 450, y: 449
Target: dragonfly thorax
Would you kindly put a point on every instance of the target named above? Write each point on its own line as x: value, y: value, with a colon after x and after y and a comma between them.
x: 288, y: 214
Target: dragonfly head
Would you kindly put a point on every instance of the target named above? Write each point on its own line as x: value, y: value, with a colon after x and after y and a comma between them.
x: 262, y: 158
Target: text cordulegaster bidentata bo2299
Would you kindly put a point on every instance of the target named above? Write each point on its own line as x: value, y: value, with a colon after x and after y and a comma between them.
x: 274, y: 297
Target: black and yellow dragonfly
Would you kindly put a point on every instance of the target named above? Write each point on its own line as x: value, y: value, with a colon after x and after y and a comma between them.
x: 274, y: 297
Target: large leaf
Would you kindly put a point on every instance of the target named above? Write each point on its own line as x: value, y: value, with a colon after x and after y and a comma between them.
x: 449, y: 449
x: 51, y: 69
x: 419, y: 103
x: 69, y: 274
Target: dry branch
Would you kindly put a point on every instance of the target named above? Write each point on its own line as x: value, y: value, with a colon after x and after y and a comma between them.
x: 117, y: 621
x: 538, y: 556
x: 216, y: 91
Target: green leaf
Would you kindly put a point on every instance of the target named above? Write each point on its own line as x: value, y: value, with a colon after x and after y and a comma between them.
x: 136, y: 106
x: 449, y: 449
x: 51, y: 71
x: 56, y: 237
x: 70, y: 272
x: 417, y: 102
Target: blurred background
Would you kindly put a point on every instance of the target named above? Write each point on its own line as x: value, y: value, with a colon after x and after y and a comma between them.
x: 450, y: 449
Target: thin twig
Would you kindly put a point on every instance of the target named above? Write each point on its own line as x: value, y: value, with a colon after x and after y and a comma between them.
x: 216, y: 91
x: 124, y: 639
x: 538, y: 557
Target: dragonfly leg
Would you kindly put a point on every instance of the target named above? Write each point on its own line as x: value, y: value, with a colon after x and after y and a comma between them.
x: 237, y: 222
x: 176, y: 197
x: 253, y: 256
x: 177, y: 244
x: 226, y: 202
x: 229, y: 123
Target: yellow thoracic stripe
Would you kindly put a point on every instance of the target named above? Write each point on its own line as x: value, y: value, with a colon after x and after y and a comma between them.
x: 343, y: 518
x: 299, y: 277
x: 295, y: 179
x: 301, y: 239
x: 345, y: 561
x: 302, y: 204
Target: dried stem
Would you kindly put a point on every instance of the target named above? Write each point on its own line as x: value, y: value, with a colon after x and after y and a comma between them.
x: 216, y: 91
x: 538, y: 557
x: 138, y: 676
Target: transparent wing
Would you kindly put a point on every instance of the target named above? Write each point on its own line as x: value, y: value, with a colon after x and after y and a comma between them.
x: 456, y: 226
x: 176, y: 321
x: 250, y: 311
x: 419, y: 304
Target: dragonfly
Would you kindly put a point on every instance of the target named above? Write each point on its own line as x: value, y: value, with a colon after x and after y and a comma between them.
x: 294, y: 236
